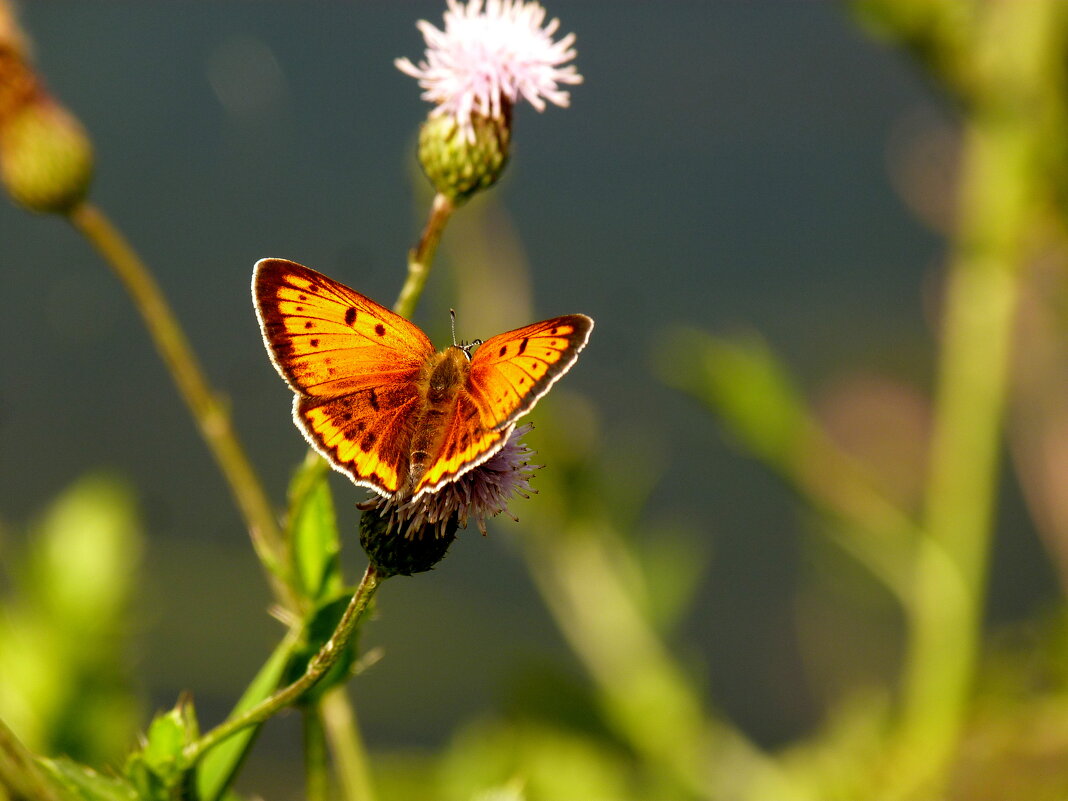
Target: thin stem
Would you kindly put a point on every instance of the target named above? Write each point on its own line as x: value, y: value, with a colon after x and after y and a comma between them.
x: 209, y: 413
x: 945, y: 614
x: 644, y: 691
x: 318, y: 667
x: 317, y: 777
x: 346, y: 744
x: 20, y: 773
x: 421, y: 259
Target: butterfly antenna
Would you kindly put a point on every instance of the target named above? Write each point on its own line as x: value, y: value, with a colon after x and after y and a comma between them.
x: 452, y: 316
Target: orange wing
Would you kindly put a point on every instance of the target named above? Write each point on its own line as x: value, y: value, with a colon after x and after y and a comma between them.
x: 467, y: 443
x: 511, y: 371
x: 508, y: 374
x: 354, y: 366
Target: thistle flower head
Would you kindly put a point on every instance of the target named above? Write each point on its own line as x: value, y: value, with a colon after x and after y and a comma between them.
x: 412, y: 535
x: 490, y: 55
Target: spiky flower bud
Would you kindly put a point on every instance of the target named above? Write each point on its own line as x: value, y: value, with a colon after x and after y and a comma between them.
x: 392, y: 552
x: 457, y: 166
x: 46, y: 159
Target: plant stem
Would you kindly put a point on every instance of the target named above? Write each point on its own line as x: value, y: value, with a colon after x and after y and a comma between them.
x: 317, y: 777
x: 945, y: 615
x: 644, y: 692
x: 20, y: 773
x: 350, y: 755
x: 209, y: 413
x: 318, y: 667
x: 421, y: 258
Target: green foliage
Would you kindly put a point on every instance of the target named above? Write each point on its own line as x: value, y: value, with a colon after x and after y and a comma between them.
x: 312, y: 532
x: 158, y: 770
x: 64, y: 631
x: 82, y: 783
x: 742, y: 381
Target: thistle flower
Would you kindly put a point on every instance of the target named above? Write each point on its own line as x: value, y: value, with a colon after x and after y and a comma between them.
x: 490, y: 55
x: 412, y: 536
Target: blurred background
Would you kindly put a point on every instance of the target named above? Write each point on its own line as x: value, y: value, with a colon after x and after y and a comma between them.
x: 731, y: 167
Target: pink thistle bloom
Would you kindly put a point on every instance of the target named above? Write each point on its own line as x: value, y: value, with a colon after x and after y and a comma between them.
x: 489, y: 56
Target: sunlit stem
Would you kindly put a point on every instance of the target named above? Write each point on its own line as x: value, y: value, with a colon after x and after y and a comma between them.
x: 644, y: 692
x: 350, y: 755
x: 208, y: 411
x: 421, y: 259
x: 316, y: 774
x: 319, y: 665
x: 1003, y: 139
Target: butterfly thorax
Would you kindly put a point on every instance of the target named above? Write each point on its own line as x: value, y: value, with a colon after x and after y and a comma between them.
x: 445, y: 375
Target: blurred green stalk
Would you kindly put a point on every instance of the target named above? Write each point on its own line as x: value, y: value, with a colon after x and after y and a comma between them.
x: 350, y: 754
x: 316, y: 769
x: 208, y: 411
x: 647, y: 696
x: 1014, y: 56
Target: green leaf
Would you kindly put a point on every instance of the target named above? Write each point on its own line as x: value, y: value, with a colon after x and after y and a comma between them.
x: 743, y: 382
x: 81, y: 783
x: 313, y: 535
x: 64, y: 632
x: 219, y: 765
x: 158, y: 770
x: 22, y: 774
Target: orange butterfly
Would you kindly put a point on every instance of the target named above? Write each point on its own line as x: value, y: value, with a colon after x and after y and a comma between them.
x: 379, y: 402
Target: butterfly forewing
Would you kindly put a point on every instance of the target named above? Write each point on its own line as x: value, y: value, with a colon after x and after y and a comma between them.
x: 510, y: 371
x: 327, y: 340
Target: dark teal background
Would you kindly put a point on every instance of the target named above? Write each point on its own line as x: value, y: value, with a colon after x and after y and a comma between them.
x: 723, y: 165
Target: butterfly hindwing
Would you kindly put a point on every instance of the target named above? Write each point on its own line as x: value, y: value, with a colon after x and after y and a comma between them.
x: 511, y: 371
x: 364, y: 434
x: 465, y: 444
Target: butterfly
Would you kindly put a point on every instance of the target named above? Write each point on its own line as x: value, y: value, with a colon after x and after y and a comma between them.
x: 379, y: 402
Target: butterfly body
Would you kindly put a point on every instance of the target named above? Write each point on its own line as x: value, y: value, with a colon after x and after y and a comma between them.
x: 379, y: 402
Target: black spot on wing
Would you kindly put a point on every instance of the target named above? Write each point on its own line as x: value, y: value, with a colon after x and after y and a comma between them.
x: 350, y: 315
x: 380, y: 330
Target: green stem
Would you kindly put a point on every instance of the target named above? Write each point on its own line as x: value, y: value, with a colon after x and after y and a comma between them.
x: 318, y: 667
x: 209, y: 413
x: 644, y: 692
x: 421, y: 258
x: 350, y: 754
x: 317, y: 777
x: 945, y: 614
x: 20, y: 774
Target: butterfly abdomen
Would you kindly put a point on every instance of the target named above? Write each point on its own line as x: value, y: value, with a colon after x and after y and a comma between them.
x: 445, y: 375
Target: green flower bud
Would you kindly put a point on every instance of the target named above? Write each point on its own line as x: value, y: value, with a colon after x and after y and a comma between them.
x: 46, y: 159
x: 414, y: 549
x: 457, y: 167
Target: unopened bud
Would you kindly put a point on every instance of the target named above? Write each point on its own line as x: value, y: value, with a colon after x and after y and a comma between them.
x: 46, y: 159
x: 457, y: 166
